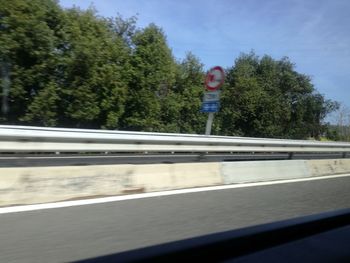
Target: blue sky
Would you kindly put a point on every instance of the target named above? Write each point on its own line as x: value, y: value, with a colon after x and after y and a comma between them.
x: 314, y: 34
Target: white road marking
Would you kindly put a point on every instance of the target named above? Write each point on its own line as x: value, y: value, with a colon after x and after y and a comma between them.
x: 26, y: 208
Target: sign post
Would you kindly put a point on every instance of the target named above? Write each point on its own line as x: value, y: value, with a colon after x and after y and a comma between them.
x: 209, y: 123
x: 211, y: 101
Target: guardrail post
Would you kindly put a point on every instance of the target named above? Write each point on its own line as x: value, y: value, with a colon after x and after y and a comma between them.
x: 290, y: 155
x: 344, y: 155
x: 201, y: 157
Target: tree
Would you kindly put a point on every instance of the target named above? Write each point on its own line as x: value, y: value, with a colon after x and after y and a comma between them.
x: 152, y: 84
x: 340, y: 130
x: 94, y: 72
x: 125, y: 28
x: 30, y: 33
x: 247, y: 107
x: 189, y: 86
x: 68, y: 62
x: 264, y: 97
x: 43, y: 109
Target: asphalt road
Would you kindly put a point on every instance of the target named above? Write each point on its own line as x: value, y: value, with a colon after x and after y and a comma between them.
x: 67, y: 234
x: 103, y: 159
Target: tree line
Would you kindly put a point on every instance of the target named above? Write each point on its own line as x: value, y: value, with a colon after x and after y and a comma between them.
x: 74, y: 68
x: 339, y: 130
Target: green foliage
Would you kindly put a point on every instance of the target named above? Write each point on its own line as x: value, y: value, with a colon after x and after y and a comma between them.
x: 72, y: 53
x: 189, y: 87
x: 268, y: 98
x: 30, y: 31
x: 149, y: 106
x: 340, y: 129
x: 43, y: 109
x: 332, y: 133
x: 73, y: 68
x: 94, y: 72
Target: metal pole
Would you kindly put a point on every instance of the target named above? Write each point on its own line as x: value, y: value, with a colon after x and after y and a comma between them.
x: 209, y: 123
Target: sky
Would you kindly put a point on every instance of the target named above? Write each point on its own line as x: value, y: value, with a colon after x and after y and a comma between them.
x: 314, y: 34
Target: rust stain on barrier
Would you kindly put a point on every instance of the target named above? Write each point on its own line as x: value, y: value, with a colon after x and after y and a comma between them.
x: 135, y: 190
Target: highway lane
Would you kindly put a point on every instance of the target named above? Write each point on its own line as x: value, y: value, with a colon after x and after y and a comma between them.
x: 72, y: 233
x: 104, y: 159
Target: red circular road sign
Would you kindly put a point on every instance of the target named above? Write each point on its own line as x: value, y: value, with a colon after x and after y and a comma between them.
x: 215, y: 78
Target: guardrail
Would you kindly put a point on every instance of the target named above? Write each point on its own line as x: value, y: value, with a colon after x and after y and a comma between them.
x: 38, y: 139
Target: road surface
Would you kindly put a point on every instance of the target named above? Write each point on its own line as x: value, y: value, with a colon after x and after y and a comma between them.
x: 73, y: 233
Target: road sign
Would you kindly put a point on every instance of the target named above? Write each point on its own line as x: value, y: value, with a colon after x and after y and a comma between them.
x: 214, y: 78
x: 211, y: 96
x: 211, y: 101
x: 210, y: 106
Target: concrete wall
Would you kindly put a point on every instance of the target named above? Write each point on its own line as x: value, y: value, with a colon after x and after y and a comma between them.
x: 258, y: 171
x: 327, y: 167
x: 50, y: 184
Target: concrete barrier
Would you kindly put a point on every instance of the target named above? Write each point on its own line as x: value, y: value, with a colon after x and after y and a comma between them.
x: 258, y: 171
x: 327, y: 167
x: 51, y: 184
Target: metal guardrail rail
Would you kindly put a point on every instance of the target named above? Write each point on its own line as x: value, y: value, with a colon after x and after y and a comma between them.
x: 39, y: 139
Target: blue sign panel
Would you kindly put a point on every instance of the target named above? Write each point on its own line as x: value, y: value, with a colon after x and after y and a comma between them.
x: 212, y: 106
